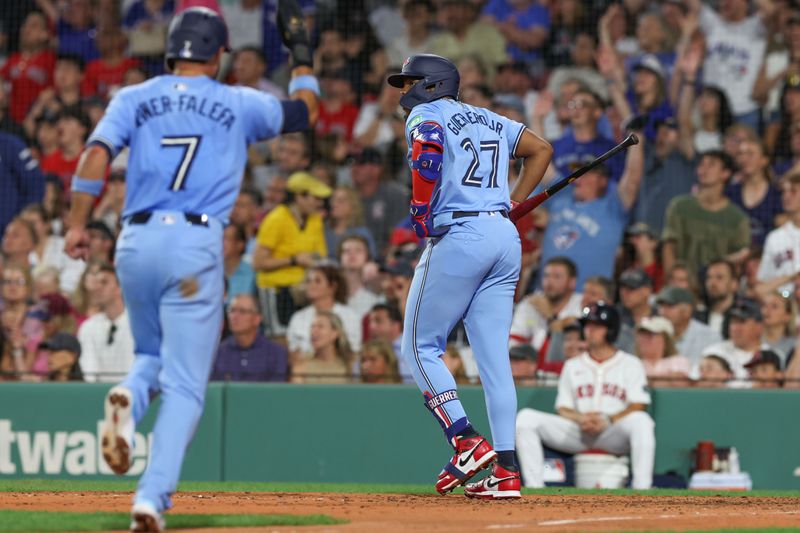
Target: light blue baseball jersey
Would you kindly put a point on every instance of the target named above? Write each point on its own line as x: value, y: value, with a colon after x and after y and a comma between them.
x: 478, y: 144
x: 188, y: 138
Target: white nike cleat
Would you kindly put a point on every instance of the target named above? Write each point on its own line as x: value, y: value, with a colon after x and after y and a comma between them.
x: 117, y: 430
x: 500, y: 484
x: 144, y: 517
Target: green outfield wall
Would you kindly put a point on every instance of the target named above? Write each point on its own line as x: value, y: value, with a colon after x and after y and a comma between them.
x: 360, y: 433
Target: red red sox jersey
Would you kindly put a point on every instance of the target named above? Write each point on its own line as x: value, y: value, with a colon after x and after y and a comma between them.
x: 609, y: 387
x: 781, y: 256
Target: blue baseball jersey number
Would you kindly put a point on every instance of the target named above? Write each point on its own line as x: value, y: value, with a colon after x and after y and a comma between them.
x: 478, y: 146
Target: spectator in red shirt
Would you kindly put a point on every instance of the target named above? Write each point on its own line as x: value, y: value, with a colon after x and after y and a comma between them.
x: 105, y: 75
x: 65, y: 93
x: 30, y: 70
x: 73, y: 128
x: 337, y: 112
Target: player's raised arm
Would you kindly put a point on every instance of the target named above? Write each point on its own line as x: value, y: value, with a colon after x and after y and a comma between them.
x: 535, y: 153
x: 303, y: 86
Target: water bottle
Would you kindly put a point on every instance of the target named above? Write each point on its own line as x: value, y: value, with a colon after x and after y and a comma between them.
x: 733, y: 461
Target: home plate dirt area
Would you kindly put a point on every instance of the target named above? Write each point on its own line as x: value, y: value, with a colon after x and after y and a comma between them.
x: 398, y: 512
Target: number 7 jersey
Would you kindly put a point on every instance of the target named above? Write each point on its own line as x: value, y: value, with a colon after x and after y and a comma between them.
x: 188, y: 139
x: 478, y: 145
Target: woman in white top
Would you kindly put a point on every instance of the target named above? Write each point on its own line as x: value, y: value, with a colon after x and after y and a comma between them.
x: 655, y: 346
x: 326, y: 290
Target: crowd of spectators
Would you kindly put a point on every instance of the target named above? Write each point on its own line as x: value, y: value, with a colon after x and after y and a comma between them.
x: 694, y: 234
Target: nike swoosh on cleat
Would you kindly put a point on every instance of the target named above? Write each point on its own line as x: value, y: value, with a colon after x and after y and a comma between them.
x: 462, y: 462
x: 493, y: 481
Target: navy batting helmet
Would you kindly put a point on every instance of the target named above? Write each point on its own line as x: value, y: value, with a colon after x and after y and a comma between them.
x: 605, y: 314
x: 438, y: 78
x: 195, y: 34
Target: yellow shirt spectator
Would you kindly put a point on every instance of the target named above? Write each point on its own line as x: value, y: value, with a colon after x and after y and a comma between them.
x: 281, y: 234
x: 291, y: 237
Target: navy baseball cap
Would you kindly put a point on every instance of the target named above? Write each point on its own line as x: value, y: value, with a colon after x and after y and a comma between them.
x: 62, y: 341
x: 764, y: 357
x: 635, y: 278
x: 744, y: 309
x: 522, y: 352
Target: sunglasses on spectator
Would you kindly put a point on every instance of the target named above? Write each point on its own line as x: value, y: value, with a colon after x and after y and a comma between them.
x: 19, y: 282
x: 580, y: 104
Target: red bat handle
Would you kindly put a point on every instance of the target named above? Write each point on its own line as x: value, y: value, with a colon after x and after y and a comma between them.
x: 525, y: 207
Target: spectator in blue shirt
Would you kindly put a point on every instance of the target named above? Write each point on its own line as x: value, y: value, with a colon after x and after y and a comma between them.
x: 246, y: 354
x: 586, y: 224
x: 524, y: 23
x: 76, y: 31
x: 21, y: 181
x: 583, y: 139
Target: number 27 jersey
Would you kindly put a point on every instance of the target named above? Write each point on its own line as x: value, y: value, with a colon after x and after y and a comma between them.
x: 478, y: 145
x: 188, y: 140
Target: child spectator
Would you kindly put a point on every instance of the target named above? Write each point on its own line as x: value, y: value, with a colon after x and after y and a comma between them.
x: 715, y: 372
x: 765, y: 370
x: 63, y: 352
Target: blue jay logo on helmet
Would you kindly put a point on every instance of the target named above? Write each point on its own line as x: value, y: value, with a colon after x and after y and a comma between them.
x: 438, y: 78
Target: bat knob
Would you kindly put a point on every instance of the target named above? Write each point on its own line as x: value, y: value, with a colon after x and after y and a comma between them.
x: 632, y: 139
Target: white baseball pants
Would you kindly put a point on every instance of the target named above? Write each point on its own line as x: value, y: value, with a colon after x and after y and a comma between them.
x: 634, y: 433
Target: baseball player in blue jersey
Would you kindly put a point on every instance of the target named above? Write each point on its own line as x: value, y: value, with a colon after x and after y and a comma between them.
x: 188, y: 136
x: 459, y: 158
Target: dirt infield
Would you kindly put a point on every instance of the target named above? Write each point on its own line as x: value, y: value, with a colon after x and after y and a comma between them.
x: 397, y: 512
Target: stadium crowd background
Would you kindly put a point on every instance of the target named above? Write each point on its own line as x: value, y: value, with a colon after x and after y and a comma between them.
x: 701, y: 255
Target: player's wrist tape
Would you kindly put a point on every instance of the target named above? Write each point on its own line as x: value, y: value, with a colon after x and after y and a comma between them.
x: 92, y: 187
x: 307, y: 82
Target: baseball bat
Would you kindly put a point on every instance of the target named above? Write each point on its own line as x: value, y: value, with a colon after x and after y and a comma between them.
x: 525, y: 207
